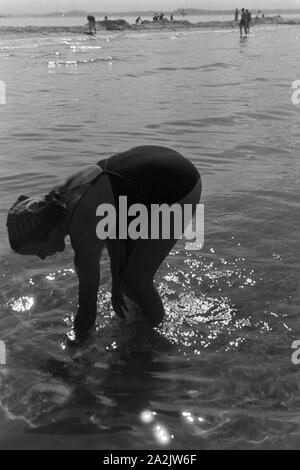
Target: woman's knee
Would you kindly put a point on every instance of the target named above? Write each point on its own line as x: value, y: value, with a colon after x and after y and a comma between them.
x: 136, y: 282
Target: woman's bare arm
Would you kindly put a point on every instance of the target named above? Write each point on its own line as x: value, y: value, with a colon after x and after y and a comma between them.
x: 87, y: 247
x: 87, y: 264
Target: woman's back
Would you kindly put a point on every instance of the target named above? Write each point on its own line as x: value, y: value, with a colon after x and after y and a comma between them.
x: 159, y: 174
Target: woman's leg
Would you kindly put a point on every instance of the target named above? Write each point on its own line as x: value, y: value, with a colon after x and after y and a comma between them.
x: 133, y: 266
x: 118, y: 251
x: 143, y: 263
x: 144, y: 260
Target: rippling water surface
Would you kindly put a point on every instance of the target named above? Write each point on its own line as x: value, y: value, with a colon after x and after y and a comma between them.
x: 218, y: 373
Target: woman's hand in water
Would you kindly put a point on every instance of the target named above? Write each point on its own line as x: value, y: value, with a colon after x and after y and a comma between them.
x: 88, y: 272
x: 77, y: 339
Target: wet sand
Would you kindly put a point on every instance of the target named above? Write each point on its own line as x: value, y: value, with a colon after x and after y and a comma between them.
x: 146, y: 25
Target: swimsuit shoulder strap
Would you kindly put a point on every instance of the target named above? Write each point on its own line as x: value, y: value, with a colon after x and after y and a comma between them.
x: 104, y: 165
x: 80, y: 182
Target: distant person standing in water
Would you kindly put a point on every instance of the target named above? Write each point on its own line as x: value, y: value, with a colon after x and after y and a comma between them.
x: 171, y: 17
x: 92, y: 24
x: 248, y: 16
x: 243, y: 22
x: 236, y: 15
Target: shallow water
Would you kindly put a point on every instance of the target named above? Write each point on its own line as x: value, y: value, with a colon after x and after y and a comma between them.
x: 218, y: 373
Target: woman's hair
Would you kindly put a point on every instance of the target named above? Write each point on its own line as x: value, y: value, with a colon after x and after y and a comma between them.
x: 39, y: 235
x: 50, y: 216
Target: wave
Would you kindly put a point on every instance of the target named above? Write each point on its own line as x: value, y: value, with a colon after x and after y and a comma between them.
x: 53, y: 64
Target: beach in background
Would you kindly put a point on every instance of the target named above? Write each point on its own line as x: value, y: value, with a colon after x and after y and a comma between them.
x: 218, y: 374
x: 81, y: 20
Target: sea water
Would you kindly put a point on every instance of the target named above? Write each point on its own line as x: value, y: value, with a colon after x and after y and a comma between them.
x: 218, y: 372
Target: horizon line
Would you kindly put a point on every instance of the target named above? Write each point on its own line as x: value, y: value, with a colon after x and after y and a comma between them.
x: 136, y: 11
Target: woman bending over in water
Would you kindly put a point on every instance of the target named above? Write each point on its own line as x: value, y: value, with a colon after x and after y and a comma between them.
x: 145, y: 175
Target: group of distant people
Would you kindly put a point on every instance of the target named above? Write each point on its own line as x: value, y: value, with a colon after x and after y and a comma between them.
x: 158, y: 17
x: 245, y: 20
x: 161, y: 17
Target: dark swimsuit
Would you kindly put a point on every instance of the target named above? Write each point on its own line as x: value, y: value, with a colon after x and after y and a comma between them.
x: 152, y: 179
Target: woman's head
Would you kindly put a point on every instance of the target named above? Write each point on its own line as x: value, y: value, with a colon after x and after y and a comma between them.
x: 33, y: 225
